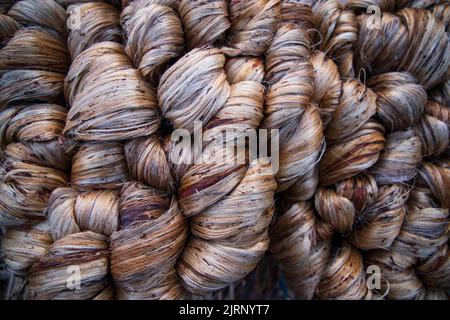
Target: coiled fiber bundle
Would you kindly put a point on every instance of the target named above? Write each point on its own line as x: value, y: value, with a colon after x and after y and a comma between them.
x: 36, y: 156
x: 371, y: 207
x: 122, y: 204
x: 115, y: 205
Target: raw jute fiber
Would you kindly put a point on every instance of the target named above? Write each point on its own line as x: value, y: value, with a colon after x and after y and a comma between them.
x: 101, y: 198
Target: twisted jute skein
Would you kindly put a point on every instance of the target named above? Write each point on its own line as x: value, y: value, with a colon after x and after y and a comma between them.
x: 223, y: 94
x: 99, y: 219
x: 34, y: 153
x: 102, y: 189
x: 33, y: 149
x: 375, y: 196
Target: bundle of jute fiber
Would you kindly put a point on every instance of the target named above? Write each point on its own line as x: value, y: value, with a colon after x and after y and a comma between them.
x: 35, y: 156
x: 422, y: 241
x: 419, y: 260
x: 227, y: 197
x: 316, y: 266
x: 83, y: 220
x: 368, y: 194
x: 292, y: 105
x: 252, y: 26
x: 104, y: 71
x: 8, y: 26
x: 230, y: 202
x: 108, y: 228
x: 154, y: 35
x: 313, y: 263
x: 81, y: 223
x: 21, y: 247
x: 423, y: 52
x: 46, y: 13
x: 154, y: 183
x: 91, y: 23
x: 338, y: 32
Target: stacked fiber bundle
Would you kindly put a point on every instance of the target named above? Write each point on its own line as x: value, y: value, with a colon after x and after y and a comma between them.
x: 383, y: 175
x: 119, y: 228
x: 228, y: 202
x: 34, y: 153
x: 128, y: 160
